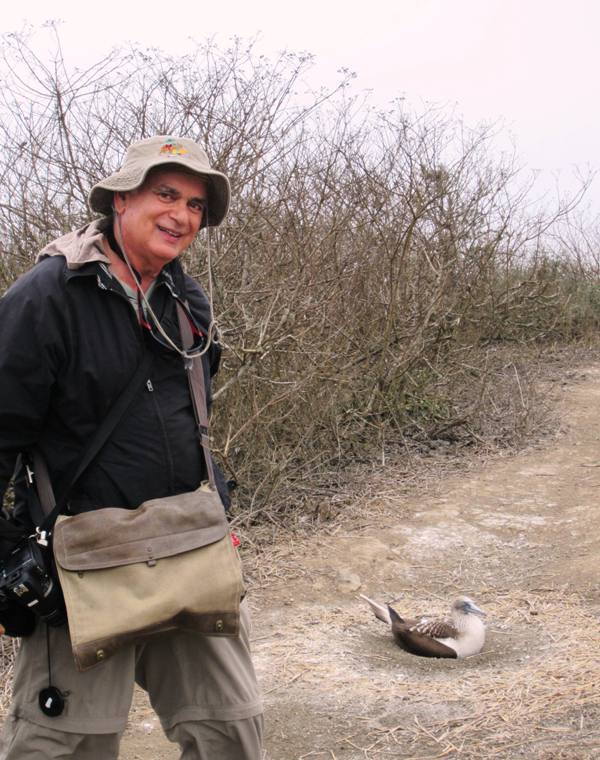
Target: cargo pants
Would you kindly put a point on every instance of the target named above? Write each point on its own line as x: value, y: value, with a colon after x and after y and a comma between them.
x: 203, y: 689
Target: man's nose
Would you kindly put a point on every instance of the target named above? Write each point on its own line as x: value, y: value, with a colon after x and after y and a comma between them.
x: 179, y: 211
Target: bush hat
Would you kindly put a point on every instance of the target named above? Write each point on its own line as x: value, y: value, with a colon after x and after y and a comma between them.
x: 162, y: 150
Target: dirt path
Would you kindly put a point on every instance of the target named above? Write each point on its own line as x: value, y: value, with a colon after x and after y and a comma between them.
x: 520, y: 535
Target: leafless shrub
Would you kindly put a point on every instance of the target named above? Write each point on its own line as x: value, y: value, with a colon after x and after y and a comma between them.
x: 371, y: 263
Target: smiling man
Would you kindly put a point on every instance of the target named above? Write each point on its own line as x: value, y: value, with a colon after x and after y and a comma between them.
x: 73, y: 330
x: 158, y: 222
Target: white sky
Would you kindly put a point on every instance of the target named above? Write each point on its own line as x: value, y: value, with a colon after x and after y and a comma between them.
x: 531, y: 63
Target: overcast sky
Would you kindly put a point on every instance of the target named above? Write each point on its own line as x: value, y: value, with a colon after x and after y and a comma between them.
x: 531, y: 63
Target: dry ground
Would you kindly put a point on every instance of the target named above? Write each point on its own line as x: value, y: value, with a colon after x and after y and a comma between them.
x: 520, y: 534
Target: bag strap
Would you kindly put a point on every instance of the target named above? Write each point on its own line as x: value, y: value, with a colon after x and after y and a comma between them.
x: 51, y: 506
x: 195, y: 375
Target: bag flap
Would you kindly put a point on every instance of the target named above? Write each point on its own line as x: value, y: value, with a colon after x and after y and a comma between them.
x: 110, y: 537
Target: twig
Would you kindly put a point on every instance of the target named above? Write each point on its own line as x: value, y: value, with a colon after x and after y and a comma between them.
x: 288, y: 683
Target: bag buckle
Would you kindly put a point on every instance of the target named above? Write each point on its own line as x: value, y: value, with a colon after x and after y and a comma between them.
x: 41, y: 537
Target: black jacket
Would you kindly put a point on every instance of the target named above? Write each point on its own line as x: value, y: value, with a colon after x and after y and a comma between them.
x: 69, y: 342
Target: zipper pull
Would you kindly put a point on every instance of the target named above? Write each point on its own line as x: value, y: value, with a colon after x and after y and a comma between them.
x: 149, y: 385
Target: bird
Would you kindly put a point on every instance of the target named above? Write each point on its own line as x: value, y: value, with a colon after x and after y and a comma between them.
x: 460, y: 635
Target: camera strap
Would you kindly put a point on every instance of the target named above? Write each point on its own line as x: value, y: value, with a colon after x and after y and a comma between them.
x: 195, y: 375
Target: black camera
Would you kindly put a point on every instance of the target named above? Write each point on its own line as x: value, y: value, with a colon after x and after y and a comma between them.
x: 25, y: 577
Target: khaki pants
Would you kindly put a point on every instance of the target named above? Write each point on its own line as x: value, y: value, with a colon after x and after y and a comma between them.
x: 202, y: 688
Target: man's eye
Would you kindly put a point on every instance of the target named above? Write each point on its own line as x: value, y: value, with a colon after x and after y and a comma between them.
x: 198, y: 205
x: 164, y: 195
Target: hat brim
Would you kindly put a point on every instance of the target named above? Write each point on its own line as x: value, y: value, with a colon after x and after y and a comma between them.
x: 100, y: 198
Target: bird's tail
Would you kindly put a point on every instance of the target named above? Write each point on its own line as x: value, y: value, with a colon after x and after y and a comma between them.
x: 394, y: 616
x: 381, y: 613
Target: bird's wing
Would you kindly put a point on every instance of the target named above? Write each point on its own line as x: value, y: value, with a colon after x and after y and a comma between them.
x: 381, y: 612
x: 415, y: 642
x: 437, y: 629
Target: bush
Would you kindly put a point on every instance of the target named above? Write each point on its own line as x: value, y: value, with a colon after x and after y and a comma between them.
x: 372, y: 262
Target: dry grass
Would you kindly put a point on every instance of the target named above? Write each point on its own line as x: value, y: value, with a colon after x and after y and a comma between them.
x: 533, y: 691
x: 8, y: 650
x: 547, y: 697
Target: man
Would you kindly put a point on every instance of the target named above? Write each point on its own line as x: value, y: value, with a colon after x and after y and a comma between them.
x: 72, y: 332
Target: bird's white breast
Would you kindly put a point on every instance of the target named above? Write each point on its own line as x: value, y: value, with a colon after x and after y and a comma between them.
x: 470, y: 641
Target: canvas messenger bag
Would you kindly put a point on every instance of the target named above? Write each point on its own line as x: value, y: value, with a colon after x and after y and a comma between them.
x: 170, y: 563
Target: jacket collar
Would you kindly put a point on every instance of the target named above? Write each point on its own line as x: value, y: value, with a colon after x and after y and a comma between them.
x: 84, y: 254
x: 79, y: 247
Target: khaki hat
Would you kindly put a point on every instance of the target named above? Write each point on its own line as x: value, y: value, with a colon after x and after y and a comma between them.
x: 162, y: 150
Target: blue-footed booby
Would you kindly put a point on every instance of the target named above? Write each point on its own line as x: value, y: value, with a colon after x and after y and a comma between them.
x: 460, y: 635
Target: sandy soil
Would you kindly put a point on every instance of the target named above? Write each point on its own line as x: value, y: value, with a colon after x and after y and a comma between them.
x: 519, y: 534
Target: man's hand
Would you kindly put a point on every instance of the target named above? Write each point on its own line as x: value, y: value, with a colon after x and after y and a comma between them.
x: 16, y: 620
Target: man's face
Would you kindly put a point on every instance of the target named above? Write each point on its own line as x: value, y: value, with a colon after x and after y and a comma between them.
x: 160, y: 219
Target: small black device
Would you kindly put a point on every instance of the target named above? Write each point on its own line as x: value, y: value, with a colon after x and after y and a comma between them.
x: 25, y: 577
x: 51, y: 701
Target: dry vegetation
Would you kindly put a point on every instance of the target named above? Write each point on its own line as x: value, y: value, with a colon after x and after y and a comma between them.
x: 384, y: 286
x: 379, y: 275
x: 8, y: 650
x: 513, y: 699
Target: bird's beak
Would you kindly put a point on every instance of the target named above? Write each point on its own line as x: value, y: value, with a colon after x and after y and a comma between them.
x: 476, y: 610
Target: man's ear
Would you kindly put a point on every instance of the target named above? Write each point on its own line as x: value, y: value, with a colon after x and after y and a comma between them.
x: 119, y: 202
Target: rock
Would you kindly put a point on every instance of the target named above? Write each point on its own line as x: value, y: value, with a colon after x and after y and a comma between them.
x: 347, y: 581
